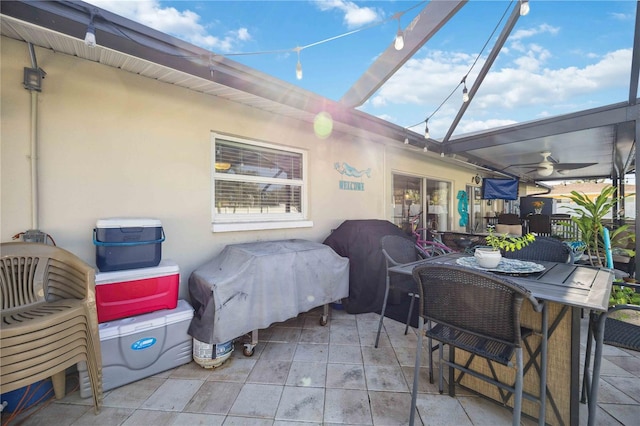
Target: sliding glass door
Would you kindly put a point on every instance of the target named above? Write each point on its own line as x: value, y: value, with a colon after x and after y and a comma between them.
x: 420, y: 202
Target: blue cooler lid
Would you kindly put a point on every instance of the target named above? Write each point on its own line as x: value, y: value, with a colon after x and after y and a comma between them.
x: 128, y: 222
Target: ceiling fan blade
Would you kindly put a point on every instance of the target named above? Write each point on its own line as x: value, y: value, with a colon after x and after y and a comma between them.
x: 572, y: 166
x: 538, y: 170
x: 524, y: 164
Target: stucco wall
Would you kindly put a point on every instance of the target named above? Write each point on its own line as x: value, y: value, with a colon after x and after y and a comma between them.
x: 111, y: 144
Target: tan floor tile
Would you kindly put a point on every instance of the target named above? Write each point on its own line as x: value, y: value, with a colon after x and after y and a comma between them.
x: 257, y: 400
x: 270, y: 372
x: 134, y: 394
x: 301, y: 404
x: 172, y: 395
x: 214, y: 398
x: 345, y: 376
x: 150, y: 417
x: 233, y: 370
x: 107, y: 416
x: 345, y: 354
x: 347, y: 406
x: 390, y: 408
x: 385, y: 378
x: 307, y: 374
x: 311, y: 352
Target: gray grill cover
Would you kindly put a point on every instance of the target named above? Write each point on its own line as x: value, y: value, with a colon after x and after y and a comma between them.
x: 250, y: 286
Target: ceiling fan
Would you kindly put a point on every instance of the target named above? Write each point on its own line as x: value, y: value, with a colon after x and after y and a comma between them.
x: 548, y: 165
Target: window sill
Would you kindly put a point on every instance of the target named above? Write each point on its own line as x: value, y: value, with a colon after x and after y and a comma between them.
x: 257, y: 226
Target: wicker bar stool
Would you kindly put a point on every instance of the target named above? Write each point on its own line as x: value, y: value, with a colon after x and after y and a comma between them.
x: 477, y: 312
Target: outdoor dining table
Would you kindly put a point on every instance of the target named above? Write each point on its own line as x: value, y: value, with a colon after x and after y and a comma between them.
x: 566, y: 289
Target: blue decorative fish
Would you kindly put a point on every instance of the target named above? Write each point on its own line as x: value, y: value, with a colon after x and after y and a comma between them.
x: 348, y: 170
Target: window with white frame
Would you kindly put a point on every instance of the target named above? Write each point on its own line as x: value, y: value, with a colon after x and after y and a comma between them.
x: 257, y: 182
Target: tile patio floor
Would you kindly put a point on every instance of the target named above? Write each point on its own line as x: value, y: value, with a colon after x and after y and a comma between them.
x: 305, y: 374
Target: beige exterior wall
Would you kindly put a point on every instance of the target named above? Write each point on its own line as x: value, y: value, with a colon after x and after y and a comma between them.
x: 114, y: 144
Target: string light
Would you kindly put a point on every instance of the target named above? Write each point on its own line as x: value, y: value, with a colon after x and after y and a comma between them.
x: 524, y: 7
x: 90, y: 36
x: 425, y: 148
x: 298, y: 65
x: 399, y: 43
x: 406, y: 140
x: 465, y: 92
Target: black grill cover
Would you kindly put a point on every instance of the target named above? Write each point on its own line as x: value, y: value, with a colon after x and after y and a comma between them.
x: 359, y: 240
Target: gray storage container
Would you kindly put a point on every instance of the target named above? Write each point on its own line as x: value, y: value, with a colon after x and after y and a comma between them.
x: 137, y: 347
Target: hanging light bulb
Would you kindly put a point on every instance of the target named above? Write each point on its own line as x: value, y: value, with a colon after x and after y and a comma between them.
x: 426, y: 129
x: 299, y: 70
x: 399, y: 43
x: 425, y: 148
x: 524, y: 7
x: 406, y: 141
x: 465, y: 92
x: 298, y: 66
x: 90, y: 36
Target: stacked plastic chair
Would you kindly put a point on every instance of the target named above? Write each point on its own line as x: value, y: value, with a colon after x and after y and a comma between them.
x: 49, y: 320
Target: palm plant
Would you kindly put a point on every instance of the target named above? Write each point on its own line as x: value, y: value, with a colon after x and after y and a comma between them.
x: 588, y: 217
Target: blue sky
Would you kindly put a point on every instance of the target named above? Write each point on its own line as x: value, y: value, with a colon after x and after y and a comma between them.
x: 564, y: 56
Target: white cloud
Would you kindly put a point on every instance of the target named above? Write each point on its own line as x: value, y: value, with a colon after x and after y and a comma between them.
x: 185, y: 24
x: 525, y: 85
x: 540, y: 29
x: 479, y: 125
x: 354, y: 15
x: 621, y: 16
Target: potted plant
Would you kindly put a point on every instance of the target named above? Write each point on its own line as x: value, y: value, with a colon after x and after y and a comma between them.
x: 537, y: 206
x: 490, y: 256
x: 589, y: 215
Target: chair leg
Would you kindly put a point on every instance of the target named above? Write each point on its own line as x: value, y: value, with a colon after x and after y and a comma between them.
x: 598, y: 334
x: 384, y: 307
x: 517, y: 403
x: 416, y: 372
x: 430, y: 352
x: 441, y: 368
x: 452, y: 371
x: 587, y: 363
x: 406, y: 328
x: 59, y: 383
x: 543, y: 368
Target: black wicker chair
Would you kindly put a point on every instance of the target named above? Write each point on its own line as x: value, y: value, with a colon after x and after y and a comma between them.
x: 459, y: 241
x: 543, y: 248
x: 540, y: 224
x: 509, y: 219
x: 477, y: 312
x: 617, y: 332
x: 398, y: 250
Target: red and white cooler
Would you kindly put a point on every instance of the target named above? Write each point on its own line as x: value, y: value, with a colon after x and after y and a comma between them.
x: 125, y: 293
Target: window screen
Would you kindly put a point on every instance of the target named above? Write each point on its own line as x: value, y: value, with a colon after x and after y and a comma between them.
x: 256, y: 182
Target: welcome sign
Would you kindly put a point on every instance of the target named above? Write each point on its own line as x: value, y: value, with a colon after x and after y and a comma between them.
x: 349, y: 171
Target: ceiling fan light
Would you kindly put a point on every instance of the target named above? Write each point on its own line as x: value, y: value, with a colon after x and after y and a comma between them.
x: 545, y: 170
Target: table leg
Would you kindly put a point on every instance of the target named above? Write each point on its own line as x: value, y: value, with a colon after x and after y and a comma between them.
x: 598, y: 335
